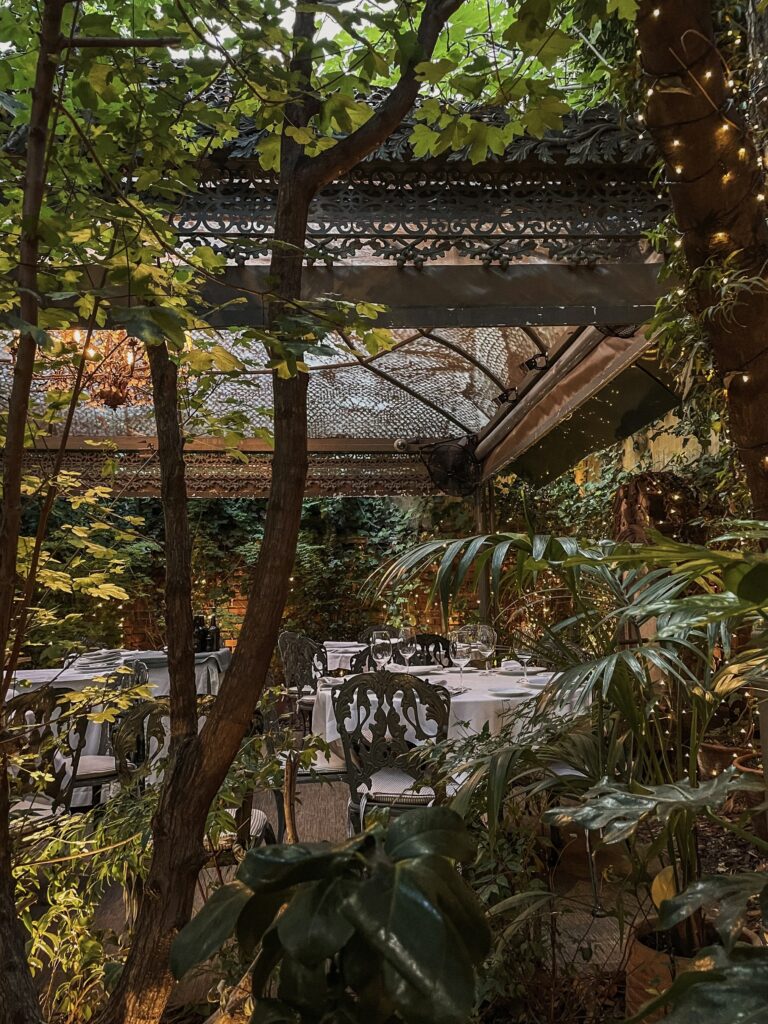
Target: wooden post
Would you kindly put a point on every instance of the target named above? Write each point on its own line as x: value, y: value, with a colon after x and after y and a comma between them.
x: 485, y: 523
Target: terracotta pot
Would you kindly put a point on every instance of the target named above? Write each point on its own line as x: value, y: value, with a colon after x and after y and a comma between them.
x: 751, y: 765
x: 714, y: 758
x: 651, y: 971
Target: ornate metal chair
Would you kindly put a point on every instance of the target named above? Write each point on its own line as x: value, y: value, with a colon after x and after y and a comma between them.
x: 361, y: 662
x: 367, y: 634
x: 108, y: 765
x: 431, y: 649
x: 304, y: 663
x: 381, y: 716
x: 47, y: 740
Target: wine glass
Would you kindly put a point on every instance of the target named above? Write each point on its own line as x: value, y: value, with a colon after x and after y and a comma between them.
x: 525, y: 657
x: 486, y: 644
x: 381, y: 648
x: 407, y: 643
x: 461, y: 650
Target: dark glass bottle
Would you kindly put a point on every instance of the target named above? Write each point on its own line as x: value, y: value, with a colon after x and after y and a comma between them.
x: 214, y: 634
x: 200, y: 632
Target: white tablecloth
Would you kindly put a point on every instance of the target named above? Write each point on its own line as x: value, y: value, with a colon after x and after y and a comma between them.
x: 207, y: 665
x: 470, y: 711
x: 340, y: 656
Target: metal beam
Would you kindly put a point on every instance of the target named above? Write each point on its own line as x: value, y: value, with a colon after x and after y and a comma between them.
x: 525, y: 294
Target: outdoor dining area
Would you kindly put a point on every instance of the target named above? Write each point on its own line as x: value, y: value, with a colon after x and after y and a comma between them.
x: 384, y: 512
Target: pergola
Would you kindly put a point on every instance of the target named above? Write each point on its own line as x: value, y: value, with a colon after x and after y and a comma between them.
x: 517, y: 289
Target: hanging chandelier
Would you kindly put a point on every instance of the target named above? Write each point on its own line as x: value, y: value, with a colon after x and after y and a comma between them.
x: 116, y: 371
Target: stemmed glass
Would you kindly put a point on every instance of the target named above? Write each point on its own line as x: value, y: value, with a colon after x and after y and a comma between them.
x: 381, y: 648
x: 525, y: 657
x: 461, y: 650
x: 486, y: 644
x: 407, y: 643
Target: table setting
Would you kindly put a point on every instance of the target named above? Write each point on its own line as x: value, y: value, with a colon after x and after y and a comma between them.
x: 480, y: 697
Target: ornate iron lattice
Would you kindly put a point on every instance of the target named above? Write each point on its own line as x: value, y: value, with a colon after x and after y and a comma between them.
x: 580, y: 194
x: 414, y: 215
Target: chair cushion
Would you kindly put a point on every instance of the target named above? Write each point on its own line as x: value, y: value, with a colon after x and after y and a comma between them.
x: 391, y: 786
x: 36, y: 805
x: 95, y: 765
x: 323, y: 762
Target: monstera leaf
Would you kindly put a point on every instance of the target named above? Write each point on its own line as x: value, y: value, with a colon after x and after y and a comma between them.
x: 617, y: 810
x: 379, y: 927
x: 724, y: 988
x: 729, y: 893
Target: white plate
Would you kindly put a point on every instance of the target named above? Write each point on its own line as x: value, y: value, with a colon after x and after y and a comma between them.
x: 508, y: 692
x: 518, y: 670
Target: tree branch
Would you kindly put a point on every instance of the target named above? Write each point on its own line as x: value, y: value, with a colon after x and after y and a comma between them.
x: 346, y: 154
x: 117, y: 42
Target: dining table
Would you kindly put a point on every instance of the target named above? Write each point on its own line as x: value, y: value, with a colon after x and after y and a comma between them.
x: 479, y: 699
x: 90, y: 670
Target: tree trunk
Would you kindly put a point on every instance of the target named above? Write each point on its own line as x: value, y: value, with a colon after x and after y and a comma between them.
x: 198, y: 765
x: 196, y: 773
x: 18, y: 999
x: 716, y: 185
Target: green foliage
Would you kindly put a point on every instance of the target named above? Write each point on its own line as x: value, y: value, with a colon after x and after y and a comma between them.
x: 380, y: 925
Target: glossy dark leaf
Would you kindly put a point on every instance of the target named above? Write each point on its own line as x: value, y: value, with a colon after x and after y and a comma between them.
x: 430, y: 830
x: 302, y: 986
x: 256, y: 916
x: 442, y: 883
x: 426, y: 968
x: 314, y: 927
x: 726, y: 988
x: 283, y: 866
x: 210, y: 928
x: 729, y: 892
x: 273, y: 1011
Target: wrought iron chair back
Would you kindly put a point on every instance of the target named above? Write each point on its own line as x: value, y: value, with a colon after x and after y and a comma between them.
x: 431, y: 649
x: 48, y: 734
x: 381, y: 716
x: 361, y: 662
x: 367, y: 634
x: 304, y: 662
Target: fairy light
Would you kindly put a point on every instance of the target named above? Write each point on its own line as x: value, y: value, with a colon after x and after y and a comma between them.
x: 707, y: 74
x: 656, y: 12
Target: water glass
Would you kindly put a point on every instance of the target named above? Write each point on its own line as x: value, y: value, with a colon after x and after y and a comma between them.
x: 486, y: 644
x: 461, y: 651
x: 406, y: 641
x: 525, y: 657
x: 381, y: 648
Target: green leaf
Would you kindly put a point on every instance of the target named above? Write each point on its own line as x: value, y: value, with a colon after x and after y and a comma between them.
x: 313, y: 927
x: 210, y: 928
x: 753, y: 585
x: 729, y: 892
x: 724, y: 988
x: 427, y: 972
x: 257, y: 915
x: 267, y: 868
x: 626, y: 9
x: 433, y: 71
x: 430, y: 830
